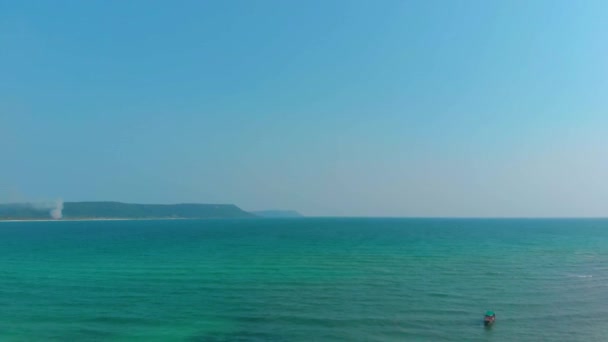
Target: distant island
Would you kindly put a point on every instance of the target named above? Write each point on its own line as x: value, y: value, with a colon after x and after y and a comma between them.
x: 118, y: 210
x: 277, y: 213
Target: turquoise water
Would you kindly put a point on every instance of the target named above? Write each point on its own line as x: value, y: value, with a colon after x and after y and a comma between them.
x: 304, y: 280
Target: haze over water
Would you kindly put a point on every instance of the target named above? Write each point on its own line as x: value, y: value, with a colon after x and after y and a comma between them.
x: 304, y: 280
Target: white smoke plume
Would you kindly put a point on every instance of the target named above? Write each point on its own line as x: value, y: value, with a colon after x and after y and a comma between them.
x: 57, y: 212
x: 55, y: 208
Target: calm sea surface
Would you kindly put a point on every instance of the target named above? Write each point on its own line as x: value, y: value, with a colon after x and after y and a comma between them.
x: 304, y: 280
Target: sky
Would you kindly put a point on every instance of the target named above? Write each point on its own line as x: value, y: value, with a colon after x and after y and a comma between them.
x: 332, y: 108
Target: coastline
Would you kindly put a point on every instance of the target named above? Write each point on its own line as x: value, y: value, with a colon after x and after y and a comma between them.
x: 95, y: 219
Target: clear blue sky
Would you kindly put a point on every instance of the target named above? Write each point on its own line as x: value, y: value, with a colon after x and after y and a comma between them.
x: 362, y: 108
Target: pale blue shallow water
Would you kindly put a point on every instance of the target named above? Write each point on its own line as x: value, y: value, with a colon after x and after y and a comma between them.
x: 304, y: 280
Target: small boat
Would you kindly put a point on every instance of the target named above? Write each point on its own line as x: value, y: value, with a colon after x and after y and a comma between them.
x: 489, y: 318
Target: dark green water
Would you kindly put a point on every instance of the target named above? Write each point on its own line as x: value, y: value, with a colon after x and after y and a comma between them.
x: 304, y: 280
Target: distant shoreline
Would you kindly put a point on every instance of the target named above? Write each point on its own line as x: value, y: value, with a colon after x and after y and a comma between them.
x: 311, y: 217
x: 109, y: 210
x: 98, y: 219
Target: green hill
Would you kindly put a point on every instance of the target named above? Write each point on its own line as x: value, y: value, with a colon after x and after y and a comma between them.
x: 23, y: 211
x: 118, y: 210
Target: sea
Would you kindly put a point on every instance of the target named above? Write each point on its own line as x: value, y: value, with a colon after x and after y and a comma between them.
x: 311, y: 279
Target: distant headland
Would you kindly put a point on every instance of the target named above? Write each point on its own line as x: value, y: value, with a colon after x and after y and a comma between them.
x: 117, y: 210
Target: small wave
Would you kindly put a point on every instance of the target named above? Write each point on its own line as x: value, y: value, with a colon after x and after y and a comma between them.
x: 581, y: 275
